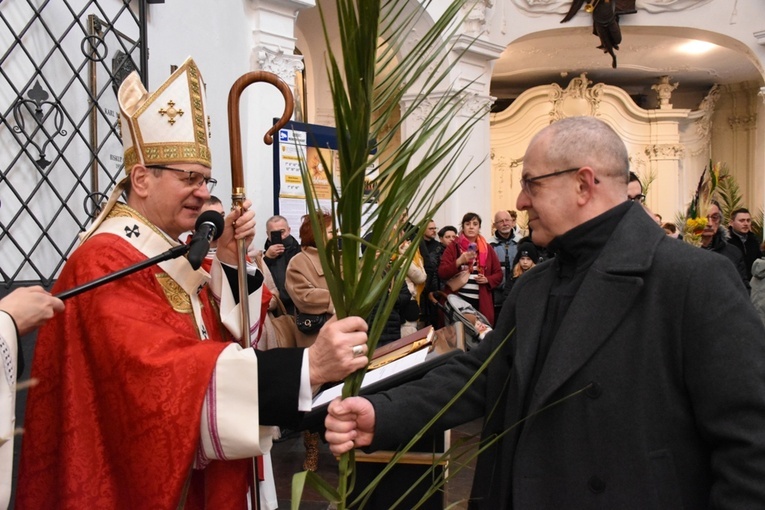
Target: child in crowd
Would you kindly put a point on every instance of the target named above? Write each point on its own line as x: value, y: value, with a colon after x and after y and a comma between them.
x: 526, y: 258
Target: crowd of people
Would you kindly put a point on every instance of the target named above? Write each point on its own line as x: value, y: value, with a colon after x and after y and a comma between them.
x: 628, y: 344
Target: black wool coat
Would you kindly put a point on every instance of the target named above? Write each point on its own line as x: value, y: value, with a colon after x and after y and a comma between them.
x: 652, y: 395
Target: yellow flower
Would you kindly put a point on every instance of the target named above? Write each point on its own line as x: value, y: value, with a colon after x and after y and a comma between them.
x: 695, y: 225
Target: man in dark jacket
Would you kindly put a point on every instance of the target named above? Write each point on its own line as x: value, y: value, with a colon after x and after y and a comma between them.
x: 430, y: 250
x: 638, y: 361
x: 714, y: 238
x: 741, y: 237
x: 505, y: 244
x: 278, y: 255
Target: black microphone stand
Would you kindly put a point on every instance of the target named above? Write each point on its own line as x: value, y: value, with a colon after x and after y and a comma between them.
x: 172, y: 253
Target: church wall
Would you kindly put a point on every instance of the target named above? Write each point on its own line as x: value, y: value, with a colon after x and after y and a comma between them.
x: 226, y: 42
x: 735, y: 138
x: 218, y: 41
x: 504, y: 22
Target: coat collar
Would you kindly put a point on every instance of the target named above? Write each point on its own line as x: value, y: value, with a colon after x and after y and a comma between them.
x: 606, y: 295
x: 312, y: 254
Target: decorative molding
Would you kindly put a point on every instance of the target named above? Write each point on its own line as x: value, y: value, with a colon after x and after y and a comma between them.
x: 639, y: 163
x: 761, y: 93
x: 504, y: 169
x: 279, y: 63
x: 477, y: 47
x: 471, y: 104
x: 474, y: 17
x: 664, y: 151
x: 577, y: 99
x: 746, y: 122
x: 422, y: 109
x: 707, y: 109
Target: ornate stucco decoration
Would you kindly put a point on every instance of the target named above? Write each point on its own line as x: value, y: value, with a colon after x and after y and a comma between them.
x: 577, y: 99
x: 423, y: 109
x: 475, y: 16
x: 761, y: 93
x: 707, y: 107
x: 704, y: 122
x: 470, y: 104
x: 475, y: 103
x: 664, y: 151
x: 745, y: 122
x: 279, y: 63
x: 664, y: 90
x: 504, y: 169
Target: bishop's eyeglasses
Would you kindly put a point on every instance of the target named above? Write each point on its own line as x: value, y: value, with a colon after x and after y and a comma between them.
x: 193, y: 179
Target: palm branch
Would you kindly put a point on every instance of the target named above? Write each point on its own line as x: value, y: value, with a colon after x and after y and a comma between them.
x: 728, y: 194
x: 371, y: 76
x: 757, y: 223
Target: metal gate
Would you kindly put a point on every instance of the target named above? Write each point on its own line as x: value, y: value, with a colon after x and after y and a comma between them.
x: 60, y: 148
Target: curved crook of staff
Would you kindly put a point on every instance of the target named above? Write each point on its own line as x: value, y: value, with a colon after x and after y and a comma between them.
x: 238, y: 197
x: 237, y: 170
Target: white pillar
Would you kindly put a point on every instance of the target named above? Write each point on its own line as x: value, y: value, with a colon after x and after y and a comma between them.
x: 272, y: 24
x: 473, y: 70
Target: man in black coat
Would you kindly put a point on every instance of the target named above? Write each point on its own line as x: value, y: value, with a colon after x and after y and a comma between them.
x: 742, y: 237
x: 279, y: 249
x: 715, y: 238
x: 637, y: 361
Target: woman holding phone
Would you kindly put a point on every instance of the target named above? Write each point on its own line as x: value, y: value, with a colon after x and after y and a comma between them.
x: 471, y: 268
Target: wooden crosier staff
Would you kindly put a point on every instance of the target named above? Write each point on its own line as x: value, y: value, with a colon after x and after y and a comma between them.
x: 238, y: 197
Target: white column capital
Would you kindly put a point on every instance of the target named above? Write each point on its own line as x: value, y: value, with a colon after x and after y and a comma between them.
x: 277, y: 62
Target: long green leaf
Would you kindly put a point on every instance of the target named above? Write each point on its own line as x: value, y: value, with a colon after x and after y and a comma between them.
x: 373, y: 75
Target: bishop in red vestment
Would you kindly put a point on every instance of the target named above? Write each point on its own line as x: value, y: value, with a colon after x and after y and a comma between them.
x: 145, y: 400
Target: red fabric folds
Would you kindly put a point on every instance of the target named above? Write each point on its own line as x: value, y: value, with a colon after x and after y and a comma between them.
x: 114, y: 421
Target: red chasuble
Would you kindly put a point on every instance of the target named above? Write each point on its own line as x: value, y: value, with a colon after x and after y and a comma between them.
x: 115, y: 420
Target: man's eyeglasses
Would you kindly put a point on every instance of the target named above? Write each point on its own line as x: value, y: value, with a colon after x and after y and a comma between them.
x: 637, y: 198
x: 527, y: 181
x: 714, y: 217
x: 193, y: 179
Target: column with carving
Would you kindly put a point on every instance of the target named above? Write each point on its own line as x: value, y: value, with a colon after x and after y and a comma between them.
x: 473, y: 69
x: 665, y: 153
x: 272, y: 24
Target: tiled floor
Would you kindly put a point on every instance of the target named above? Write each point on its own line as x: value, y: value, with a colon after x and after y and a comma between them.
x: 288, y: 457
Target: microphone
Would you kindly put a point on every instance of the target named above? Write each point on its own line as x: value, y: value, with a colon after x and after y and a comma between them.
x: 209, y: 227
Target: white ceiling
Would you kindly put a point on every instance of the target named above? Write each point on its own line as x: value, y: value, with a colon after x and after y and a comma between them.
x: 646, y: 53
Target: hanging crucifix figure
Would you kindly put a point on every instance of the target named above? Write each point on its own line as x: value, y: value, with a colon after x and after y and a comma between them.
x: 605, y: 21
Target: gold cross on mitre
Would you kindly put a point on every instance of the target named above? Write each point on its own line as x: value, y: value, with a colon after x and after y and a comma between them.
x: 171, y: 112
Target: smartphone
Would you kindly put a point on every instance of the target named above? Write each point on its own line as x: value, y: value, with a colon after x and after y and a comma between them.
x: 276, y: 237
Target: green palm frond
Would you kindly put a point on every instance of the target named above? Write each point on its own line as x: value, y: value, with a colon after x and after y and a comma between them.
x: 694, y: 206
x: 728, y: 193
x: 378, y: 83
x: 758, y: 220
x: 369, y: 80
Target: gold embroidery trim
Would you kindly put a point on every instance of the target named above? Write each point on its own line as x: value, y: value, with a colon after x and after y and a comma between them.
x: 176, y: 296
